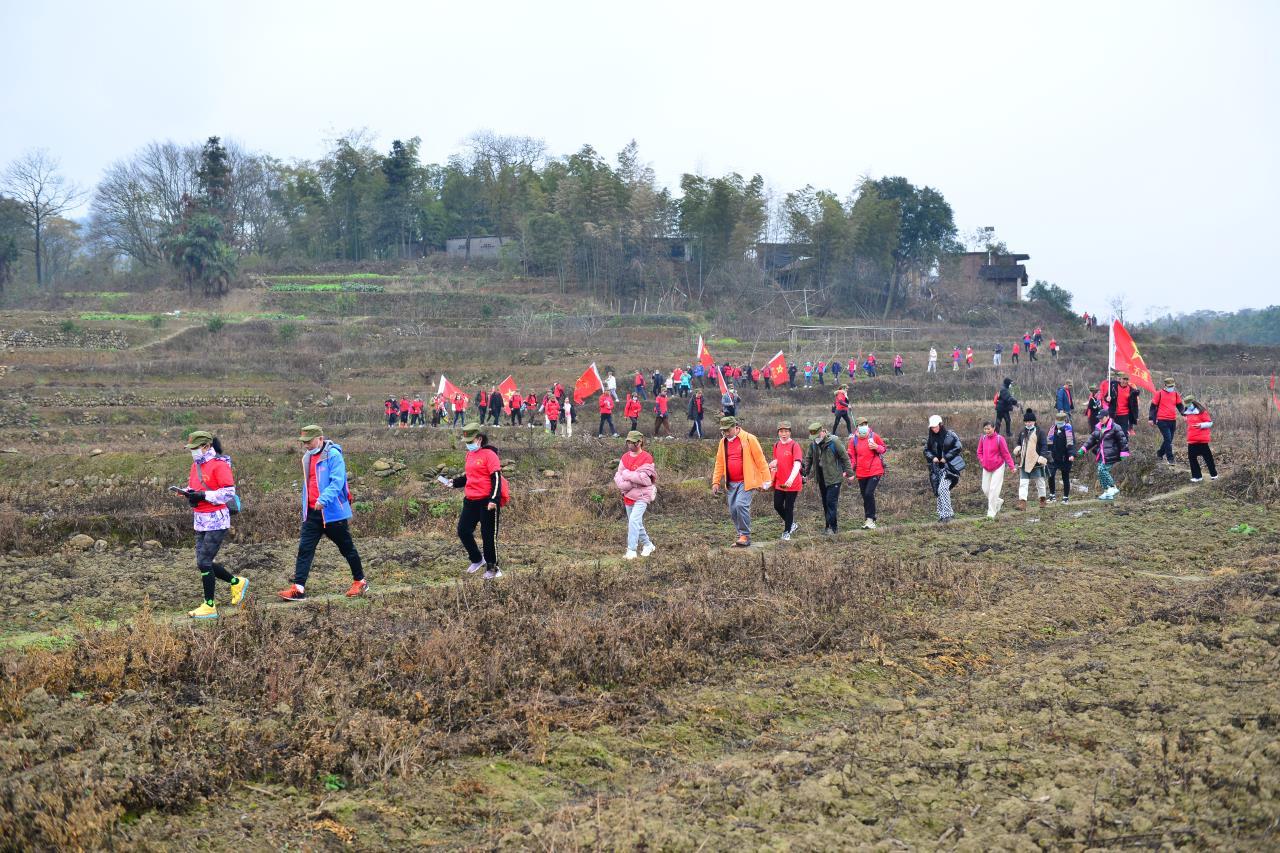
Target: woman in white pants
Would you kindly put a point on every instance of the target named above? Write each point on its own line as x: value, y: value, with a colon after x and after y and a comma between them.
x: 994, y: 458
x: 637, y: 480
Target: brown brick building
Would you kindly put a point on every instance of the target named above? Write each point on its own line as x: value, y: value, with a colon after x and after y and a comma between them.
x: 983, y: 275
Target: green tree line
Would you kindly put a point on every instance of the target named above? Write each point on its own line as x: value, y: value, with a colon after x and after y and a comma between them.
x: 1248, y: 326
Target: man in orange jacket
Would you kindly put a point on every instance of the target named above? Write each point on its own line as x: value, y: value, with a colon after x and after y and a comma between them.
x: 740, y: 469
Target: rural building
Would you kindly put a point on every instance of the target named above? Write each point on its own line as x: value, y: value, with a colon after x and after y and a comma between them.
x: 476, y: 248
x: 985, y: 274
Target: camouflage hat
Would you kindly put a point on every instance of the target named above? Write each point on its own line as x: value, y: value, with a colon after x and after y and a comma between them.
x: 1168, y: 382
x: 470, y: 430
x: 635, y: 437
x: 863, y: 422
x: 309, y: 432
x: 815, y: 428
x: 728, y: 422
x: 1093, y: 387
x: 199, y: 438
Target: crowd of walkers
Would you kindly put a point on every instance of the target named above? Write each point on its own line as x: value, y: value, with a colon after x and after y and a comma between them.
x: 1043, y: 458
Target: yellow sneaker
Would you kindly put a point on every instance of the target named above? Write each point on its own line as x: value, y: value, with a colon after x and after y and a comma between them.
x: 238, y: 590
x: 204, y: 611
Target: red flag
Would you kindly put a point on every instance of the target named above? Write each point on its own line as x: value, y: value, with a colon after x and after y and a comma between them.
x: 588, y: 383
x: 506, y: 388
x: 724, y: 389
x: 448, y: 389
x: 1126, y: 358
x: 1274, y: 398
x: 776, y: 368
x: 704, y: 354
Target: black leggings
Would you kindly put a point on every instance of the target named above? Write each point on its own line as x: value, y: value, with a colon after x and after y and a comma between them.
x: 867, y: 488
x: 473, y: 512
x: 207, y: 544
x: 841, y: 415
x: 1196, y: 452
x: 785, y: 505
x: 1004, y: 419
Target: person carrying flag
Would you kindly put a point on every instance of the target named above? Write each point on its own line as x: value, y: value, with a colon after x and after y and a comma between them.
x: 1122, y: 402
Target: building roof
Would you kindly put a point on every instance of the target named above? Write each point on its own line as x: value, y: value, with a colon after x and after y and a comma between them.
x: 1003, y: 272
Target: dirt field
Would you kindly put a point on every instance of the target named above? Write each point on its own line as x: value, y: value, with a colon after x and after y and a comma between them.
x: 1083, y: 676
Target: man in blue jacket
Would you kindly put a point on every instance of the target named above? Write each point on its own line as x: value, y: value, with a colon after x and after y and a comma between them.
x: 1066, y: 400
x: 326, y: 511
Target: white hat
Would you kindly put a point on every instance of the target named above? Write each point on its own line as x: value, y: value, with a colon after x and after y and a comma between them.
x: 934, y: 420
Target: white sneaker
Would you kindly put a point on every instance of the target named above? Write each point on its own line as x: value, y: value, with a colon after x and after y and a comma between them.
x: 786, y: 537
x: 648, y: 549
x: 630, y: 555
x: 871, y: 524
x: 1197, y: 479
x: 795, y: 528
x: 475, y: 567
x: 1213, y: 477
x: 492, y: 574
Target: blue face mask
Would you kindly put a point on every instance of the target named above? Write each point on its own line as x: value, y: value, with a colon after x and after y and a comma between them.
x: 473, y: 445
x: 863, y: 430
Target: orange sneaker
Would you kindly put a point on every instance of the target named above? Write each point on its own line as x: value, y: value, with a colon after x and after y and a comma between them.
x: 292, y: 593
x: 357, y: 588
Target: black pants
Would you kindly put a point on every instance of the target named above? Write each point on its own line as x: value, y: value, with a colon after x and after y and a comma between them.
x: 867, y: 488
x: 496, y: 415
x: 830, y: 504
x: 338, y: 532
x: 517, y: 417
x: 841, y: 415
x: 404, y: 418
x: 897, y: 371
x: 209, y: 541
x: 1004, y: 419
x: 607, y: 419
x: 476, y: 511
x: 1063, y: 468
x: 1167, y: 429
x: 1196, y: 452
x: 635, y: 424
x: 552, y: 425
x: 460, y: 418
x: 785, y: 505
x: 695, y: 431
x: 391, y: 419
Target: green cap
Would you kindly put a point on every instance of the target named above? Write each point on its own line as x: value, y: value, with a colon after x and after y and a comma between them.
x: 784, y: 425
x: 728, y: 422
x: 309, y: 432
x: 199, y: 438
x: 635, y: 436
x: 815, y: 428
x: 470, y: 430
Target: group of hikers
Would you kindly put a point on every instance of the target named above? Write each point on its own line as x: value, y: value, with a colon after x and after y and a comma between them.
x: 1042, y: 457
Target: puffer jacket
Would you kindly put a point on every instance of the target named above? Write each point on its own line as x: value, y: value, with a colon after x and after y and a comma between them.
x: 1109, y: 443
x: 639, y: 483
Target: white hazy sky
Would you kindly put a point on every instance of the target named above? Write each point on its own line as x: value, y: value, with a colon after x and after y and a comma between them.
x: 1128, y: 147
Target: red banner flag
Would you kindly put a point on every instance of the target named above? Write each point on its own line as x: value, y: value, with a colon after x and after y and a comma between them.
x: 506, y: 388
x: 776, y: 368
x: 724, y: 388
x: 1274, y: 398
x: 588, y: 383
x: 704, y: 354
x: 1126, y: 358
x: 448, y: 389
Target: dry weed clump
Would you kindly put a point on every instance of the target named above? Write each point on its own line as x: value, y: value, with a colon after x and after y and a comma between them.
x: 384, y: 690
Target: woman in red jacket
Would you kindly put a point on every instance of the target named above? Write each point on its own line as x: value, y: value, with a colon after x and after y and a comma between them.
x: 866, y: 450
x: 551, y: 409
x: 1199, y: 427
x: 482, y: 490
x: 210, y: 487
x: 788, y: 458
x: 632, y: 410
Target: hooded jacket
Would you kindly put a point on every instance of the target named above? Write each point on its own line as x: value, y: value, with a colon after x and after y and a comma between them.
x: 1110, y: 443
x: 1005, y: 401
x: 636, y: 478
x: 331, y: 482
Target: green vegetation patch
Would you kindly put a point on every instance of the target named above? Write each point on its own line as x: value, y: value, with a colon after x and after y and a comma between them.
x: 328, y: 287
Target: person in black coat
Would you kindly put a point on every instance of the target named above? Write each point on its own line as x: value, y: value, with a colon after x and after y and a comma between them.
x: 1005, y: 404
x: 943, y: 452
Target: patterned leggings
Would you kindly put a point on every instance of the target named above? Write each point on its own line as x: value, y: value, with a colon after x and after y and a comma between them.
x: 944, y: 499
x: 1104, y: 476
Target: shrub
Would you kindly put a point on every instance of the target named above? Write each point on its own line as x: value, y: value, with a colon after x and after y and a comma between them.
x: 215, y: 324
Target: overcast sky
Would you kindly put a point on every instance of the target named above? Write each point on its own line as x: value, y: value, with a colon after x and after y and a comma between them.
x: 1128, y: 147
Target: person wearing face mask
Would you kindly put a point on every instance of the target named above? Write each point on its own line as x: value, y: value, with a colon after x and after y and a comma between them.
x: 1165, y: 407
x: 1029, y: 452
x: 788, y: 459
x: 1110, y: 441
x: 1122, y: 402
x: 944, y: 454
x: 210, y: 486
x: 1061, y: 441
x: 841, y: 409
x: 482, y: 489
x: 1199, y: 431
x: 866, y: 454
x: 637, y: 480
x: 993, y: 457
x: 826, y: 460
x: 740, y: 469
x: 326, y: 512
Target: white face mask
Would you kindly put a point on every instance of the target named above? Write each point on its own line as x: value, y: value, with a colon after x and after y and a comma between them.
x: 200, y: 454
x: 473, y: 445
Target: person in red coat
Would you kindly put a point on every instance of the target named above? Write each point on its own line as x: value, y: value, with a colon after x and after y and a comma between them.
x: 632, y: 410
x: 661, y: 417
x: 606, y: 416
x: 841, y: 408
x: 788, y: 459
x: 404, y: 411
x: 210, y: 488
x: 1199, y: 433
x: 866, y: 454
x: 551, y: 408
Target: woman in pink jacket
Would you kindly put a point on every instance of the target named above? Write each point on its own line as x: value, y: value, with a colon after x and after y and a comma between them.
x: 637, y: 479
x: 994, y: 457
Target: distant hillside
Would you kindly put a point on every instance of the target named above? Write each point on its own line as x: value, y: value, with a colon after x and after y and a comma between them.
x: 1248, y: 326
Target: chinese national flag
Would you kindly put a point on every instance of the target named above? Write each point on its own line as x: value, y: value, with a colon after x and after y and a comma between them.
x: 1126, y: 358
x: 588, y: 383
x: 776, y: 368
x: 506, y: 388
x: 724, y: 389
x: 448, y: 389
x: 704, y: 354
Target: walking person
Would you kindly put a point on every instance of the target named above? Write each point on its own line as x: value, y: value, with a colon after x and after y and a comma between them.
x: 403, y: 409
x: 827, y: 462
x: 740, y: 470
x: 637, y: 479
x: 933, y: 361
x: 611, y: 386
x: 482, y: 406
x: 495, y: 407
x: 955, y: 359
x: 1065, y: 400
x: 1199, y: 433
x: 515, y: 404
x: 791, y: 375
x: 1093, y: 408
x: 968, y: 357
x: 729, y: 402
x: 866, y: 455
x: 638, y: 382
x: 482, y: 500
x: 997, y: 355
x: 1015, y: 352
x: 695, y: 414
x: 787, y: 482
x: 944, y: 454
x: 606, y: 416
x: 1005, y: 404
x: 392, y: 410
x: 1029, y: 451
x: 1122, y: 402
x: 1062, y: 450
x: 661, y: 415
x: 459, y: 410
x: 210, y: 488
x: 897, y: 364
x: 841, y: 409
x: 1163, y: 413
x: 1109, y: 443
x: 631, y: 410
x: 326, y: 513
x: 551, y: 409
x: 993, y: 458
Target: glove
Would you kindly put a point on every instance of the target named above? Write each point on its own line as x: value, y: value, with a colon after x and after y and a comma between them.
x: 193, y: 497
x: 1124, y: 455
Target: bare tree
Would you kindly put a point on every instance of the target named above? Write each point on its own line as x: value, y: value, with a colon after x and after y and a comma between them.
x: 33, y: 181
x: 139, y: 200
